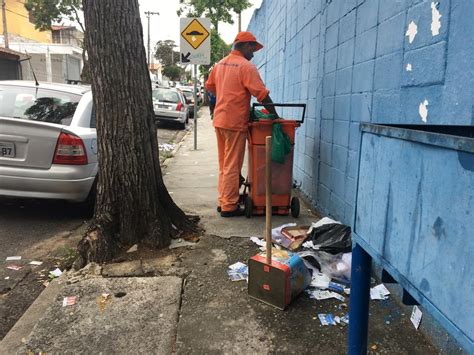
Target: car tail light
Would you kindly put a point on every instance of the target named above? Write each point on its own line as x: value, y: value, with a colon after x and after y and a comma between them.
x: 179, y: 106
x: 70, y: 150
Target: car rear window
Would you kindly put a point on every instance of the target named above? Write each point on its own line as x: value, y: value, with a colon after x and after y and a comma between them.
x: 38, y: 104
x: 188, y: 95
x: 166, y: 95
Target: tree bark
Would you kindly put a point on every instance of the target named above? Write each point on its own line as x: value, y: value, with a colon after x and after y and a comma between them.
x: 133, y: 204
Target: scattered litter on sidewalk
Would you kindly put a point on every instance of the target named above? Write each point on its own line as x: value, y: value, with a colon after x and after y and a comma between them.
x: 259, y: 242
x: 103, y: 300
x: 320, y: 281
x: 179, y: 243
x: 347, y: 290
x: 69, y: 301
x: 134, y: 248
x: 7, y: 278
x: 416, y: 316
x: 379, y: 292
x: 238, y: 271
x: 326, y: 319
x: 345, y: 319
x: 330, y: 236
x: 13, y: 258
x: 334, y: 286
x: 324, y: 295
x: 55, y: 273
x: 14, y: 267
x: 290, y: 236
x: 36, y: 263
x: 166, y: 147
x: 336, y: 266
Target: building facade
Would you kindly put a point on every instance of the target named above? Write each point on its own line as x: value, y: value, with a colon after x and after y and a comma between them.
x: 400, y: 62
x: 20, y: 25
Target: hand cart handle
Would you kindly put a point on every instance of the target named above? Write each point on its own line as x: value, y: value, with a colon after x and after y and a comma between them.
x: 268, y: 199
x: 303, y: 106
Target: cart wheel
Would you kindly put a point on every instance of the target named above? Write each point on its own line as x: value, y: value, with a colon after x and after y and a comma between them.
x: 248, y: 207
x: 295, y: 207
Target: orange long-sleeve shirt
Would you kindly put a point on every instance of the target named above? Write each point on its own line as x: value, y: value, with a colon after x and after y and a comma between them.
x: 234, y: 80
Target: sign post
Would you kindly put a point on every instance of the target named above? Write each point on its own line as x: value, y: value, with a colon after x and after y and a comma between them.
x: 195, y: 48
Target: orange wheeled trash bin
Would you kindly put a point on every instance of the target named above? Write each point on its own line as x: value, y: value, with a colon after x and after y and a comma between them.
x: 282, y: 174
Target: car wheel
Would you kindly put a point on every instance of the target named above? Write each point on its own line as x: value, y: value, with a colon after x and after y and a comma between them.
x: 187, y: 119
x: 182, y: 125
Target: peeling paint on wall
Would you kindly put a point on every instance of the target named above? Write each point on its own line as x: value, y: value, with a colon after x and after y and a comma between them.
x: 412, y: 30
x: 409, y: 67
x: 435, y: 19
x: 423, y: 110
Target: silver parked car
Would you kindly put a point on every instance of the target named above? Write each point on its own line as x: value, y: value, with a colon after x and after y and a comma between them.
x: 48, y: 141
x: 188, y: 95
x: 169, y: 104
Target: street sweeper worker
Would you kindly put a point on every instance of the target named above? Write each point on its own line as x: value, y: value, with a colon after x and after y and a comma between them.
x: 234, y: 80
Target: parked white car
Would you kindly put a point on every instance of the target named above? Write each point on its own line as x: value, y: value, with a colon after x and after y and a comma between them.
x: 48, y: 141
x: 170, y: 104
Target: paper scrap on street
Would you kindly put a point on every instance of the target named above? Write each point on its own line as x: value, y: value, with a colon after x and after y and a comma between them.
x: 7, y: 278
x: 258, y: 241
x: 238, y: 271
x: 55, y: 273
x: 379, y: 292
x: 237, y: 277
x: 134, y: 248
x: 326, y: 319
x: 37, y: 263
x: 237, y: 266
x: 166, y: 147
x: 320, y: 280
x: 334, y: 286
x: 13, y: 258
x: 345, y: 319
x: 69, y: 301
x: 14, y: 267
x: 416, y: 317
x: 324, y: 295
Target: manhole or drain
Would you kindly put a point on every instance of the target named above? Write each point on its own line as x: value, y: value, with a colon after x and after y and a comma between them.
x: 120, y: 294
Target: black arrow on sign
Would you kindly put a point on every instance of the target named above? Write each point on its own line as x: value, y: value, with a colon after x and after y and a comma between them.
x: 185, y: 58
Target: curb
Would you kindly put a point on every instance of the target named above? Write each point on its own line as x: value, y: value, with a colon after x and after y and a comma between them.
x: 24, y: 326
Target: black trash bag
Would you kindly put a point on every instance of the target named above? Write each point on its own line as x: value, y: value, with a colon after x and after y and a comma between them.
x: 333, y: 238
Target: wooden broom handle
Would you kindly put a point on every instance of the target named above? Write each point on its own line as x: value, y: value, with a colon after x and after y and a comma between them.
x: 268, y: 198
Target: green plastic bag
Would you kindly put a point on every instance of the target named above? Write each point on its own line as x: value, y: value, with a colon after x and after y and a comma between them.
x: 281, y: 144
x: 259, y: 115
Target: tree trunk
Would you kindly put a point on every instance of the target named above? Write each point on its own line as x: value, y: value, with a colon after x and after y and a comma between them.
x: 133, y: 204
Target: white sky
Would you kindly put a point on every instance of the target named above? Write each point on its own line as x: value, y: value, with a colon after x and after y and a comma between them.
x: 166, y: 25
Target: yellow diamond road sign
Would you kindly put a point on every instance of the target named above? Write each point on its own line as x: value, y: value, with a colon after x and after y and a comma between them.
x: 195, y: 34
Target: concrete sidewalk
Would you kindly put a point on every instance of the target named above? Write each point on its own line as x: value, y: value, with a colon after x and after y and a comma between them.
x: 191, y: 178
x: 206, y: 313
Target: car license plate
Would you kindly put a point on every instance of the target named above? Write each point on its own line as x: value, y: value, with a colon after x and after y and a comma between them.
x: 7, y: 149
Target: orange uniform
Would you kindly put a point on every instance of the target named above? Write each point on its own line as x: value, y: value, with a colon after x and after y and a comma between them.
x: 233, y: 80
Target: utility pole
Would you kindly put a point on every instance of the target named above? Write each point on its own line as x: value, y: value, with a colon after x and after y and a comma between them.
x: 5, y: 31
x: 172, y: 55
x: 239, y: 21
x: 148, y: 14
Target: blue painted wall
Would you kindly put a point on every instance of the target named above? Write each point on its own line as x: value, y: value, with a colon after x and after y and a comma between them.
x: 351, y: 61
x: 347, y: 60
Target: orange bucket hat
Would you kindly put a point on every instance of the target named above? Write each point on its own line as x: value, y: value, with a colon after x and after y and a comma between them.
x: 246, y: 36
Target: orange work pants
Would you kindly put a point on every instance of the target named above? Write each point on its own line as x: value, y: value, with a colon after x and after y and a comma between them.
x: 231, y: 152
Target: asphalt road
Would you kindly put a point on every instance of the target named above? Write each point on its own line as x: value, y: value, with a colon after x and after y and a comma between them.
x: 33, y: 229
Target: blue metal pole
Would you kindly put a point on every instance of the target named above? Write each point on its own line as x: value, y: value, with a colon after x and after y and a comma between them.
x: 359, y: 301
